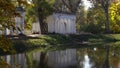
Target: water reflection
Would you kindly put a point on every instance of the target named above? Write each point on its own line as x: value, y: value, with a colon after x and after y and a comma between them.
x: 62, y: 59
x: 86, y: 62
x: 89, y: 57
x: 15, y: 61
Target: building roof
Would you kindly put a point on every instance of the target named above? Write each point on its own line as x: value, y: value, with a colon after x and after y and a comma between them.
x: 20, y: 9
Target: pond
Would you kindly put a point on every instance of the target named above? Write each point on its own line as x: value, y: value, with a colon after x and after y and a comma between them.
x: 82, y: 57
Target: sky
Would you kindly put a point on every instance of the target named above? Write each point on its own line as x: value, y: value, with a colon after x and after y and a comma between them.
x: 87, y: 4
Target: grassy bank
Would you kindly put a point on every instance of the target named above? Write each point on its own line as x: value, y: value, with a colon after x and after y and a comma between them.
x: 25, y: 43
x: 42, y: 41
x: 52, y: 40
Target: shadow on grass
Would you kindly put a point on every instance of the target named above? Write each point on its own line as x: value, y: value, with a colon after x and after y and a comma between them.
x: 94, y: 38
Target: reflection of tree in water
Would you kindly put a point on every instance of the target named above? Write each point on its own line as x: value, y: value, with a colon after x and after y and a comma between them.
x: 115, y: 56
x: 29, y: 59
x: 42, y: 63
x: 4, y: 64
x: 36, y: 60
x: 106, y: 62
x: 96, y: 57
x: 102, y: 57
x: 83, y: 56
x: 99, y: 57
x: 112, y: 56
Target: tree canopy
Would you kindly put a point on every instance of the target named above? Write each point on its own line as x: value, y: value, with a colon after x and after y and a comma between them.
x: 67, y: 6
x: 7, y: 11
x: 115, y: 17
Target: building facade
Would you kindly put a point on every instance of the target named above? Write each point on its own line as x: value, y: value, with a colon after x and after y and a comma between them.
x: 62, y: 23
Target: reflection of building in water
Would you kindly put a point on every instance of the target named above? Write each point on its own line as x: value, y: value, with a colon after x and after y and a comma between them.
x: 69, y: 58
x: 18, y: 60
x: 55, y: 59
x: 36, y: 59
x: 62, y: 59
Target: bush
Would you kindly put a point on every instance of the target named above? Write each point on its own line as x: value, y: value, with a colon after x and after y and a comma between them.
x: 93, y: 28
x: 5, y: 44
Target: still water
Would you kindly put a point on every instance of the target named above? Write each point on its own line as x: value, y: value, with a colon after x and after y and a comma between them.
x: 82, y: 57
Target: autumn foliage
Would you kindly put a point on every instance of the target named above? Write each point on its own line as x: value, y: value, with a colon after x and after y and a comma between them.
x: 7, y: 20
x: 115, y: 17
x: 8, y: 13
x: 6, y: 44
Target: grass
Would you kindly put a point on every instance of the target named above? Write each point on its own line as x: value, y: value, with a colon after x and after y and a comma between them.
x: 93, y: 38
x: 23, y: 44
x: 50, y: 40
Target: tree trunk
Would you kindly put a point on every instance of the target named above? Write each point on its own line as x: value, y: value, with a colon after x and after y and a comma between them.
x: 43, y: 25
x: 107, y: 28
x: 106, y: 63
x: 42, y: 60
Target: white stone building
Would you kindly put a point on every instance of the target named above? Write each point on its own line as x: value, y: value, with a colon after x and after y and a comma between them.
x: 62, y: 23
x: 1, y: 31
x: 20, y: 20
x: 36, y: 28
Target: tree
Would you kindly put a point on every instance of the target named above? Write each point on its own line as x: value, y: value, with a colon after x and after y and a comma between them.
x: 5, y: 44
x: 95, y: 20
x: 43, y: 9
x: 70, y: 7
x: 115, y: 17
x: 105, y: 5
x: 67, y: 6
x: 8, y: 13
x: 31, y: 16
x: 80, y: 19
x: 47, y: 7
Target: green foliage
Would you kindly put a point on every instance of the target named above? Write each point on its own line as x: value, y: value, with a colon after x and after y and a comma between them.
x: 80, y: 19
x: 95, y: 20
x: 115, y: 17
x: 6, y: 45
x: 4, y: 64
x: 93, y: 28
x: 37, y: 12
x: 8, y: 13
x: 30, y: 16
x: 45, y: 7
x: 50, y: 40
x: 67, y: 6
x: 45, y: 42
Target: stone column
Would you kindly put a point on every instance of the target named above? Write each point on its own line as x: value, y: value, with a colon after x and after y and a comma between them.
x: 22, y: 22
x: 11, y: 30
